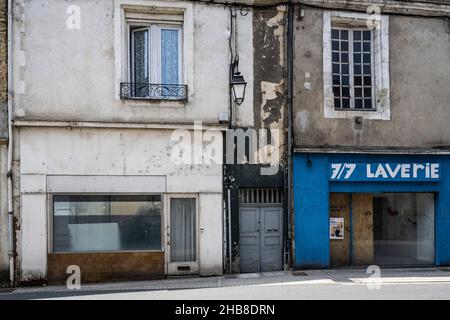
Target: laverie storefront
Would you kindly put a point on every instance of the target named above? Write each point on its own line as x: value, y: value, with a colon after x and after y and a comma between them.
x: 362, y: 209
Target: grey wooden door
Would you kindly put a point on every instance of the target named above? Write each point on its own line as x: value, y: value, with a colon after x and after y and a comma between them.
x: 261, y: 237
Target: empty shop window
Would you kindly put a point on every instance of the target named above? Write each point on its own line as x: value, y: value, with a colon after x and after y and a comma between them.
x: 86, y: 223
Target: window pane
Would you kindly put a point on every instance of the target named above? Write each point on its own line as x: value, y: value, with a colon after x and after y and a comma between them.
x: 334, y: 34
x: 357, y: 35
x: 344, y: 46
x: 335, y: 68
x: 183, y: 232
x: 357, y: 58
x: 337, y: 103
x: 346, y: 103
x: 366, y: 35
x: 366, y: 46
x: 335, y: 57
x: 344, y: 68
x: 358, y: 103
x: 336, y: 91
x: 141, y: 62
x: 335, y: 45
x: 86, y: 223
x: 358, y: 92
x: 404, y: 228
x: 345, y: 80
x: 366, y: 58
x: 336, y: 80
x: 169, y: 56
x: 358, y: 80
x: 346, y: 92
x: 367, y: 92
x: 368, y: 103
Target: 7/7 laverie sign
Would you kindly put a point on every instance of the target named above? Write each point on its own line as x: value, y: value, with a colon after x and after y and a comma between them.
x: 346, y: 171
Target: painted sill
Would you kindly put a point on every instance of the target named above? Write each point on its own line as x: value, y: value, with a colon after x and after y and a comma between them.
x: 154, y: 103
x: 153, y: 92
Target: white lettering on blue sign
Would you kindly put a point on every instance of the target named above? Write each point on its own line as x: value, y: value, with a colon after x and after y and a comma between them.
x: 384, y: 171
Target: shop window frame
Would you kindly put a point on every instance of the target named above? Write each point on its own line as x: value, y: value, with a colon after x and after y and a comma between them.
x: 50, y: 222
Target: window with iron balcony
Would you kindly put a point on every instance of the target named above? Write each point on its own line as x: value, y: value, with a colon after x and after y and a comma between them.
x: 155, y: 54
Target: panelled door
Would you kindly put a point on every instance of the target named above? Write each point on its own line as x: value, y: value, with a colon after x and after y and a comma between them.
x: 261, y: 239
x: 182, y: 235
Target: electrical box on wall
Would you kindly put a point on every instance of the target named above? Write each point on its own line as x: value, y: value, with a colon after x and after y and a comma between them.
x: 224, y: 117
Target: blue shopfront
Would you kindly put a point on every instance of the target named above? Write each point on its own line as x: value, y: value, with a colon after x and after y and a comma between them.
x: 354, y: 209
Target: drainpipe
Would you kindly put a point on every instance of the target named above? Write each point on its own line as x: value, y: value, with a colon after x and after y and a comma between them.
x: 290, y: 76
x: 10, y: 151
x: 232, y: 43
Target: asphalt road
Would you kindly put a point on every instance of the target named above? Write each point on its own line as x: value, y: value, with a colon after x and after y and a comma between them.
x: 427, y: 291
x: 317, y: 285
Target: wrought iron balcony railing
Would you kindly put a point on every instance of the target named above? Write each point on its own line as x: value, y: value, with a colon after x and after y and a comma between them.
x: 148, y: 91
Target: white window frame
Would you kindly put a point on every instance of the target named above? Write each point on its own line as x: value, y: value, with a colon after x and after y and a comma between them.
x: 154, y: 58
x: 351, y: 69
x: 380, y: 66
x: 160, y: 12
x: 51, y: 218
x: 171, y: 268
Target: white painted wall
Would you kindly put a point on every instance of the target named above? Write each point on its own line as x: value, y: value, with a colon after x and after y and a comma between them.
x: 71, y: 74
x: 111, y: 153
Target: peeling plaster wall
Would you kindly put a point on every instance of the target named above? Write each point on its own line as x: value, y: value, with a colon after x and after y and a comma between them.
x: 269, y: 91
x: 268, y: 109
x: 419, y: 87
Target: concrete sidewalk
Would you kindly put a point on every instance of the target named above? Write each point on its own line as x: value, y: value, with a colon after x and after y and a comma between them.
x: 357, y: 277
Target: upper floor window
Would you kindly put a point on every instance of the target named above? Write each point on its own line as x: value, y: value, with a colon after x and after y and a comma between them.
x: 352, y: 69
x: 155, y: 57
x: 355, y: 66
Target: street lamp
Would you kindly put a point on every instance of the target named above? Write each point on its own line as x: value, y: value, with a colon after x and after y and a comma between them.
x: 238, y: 85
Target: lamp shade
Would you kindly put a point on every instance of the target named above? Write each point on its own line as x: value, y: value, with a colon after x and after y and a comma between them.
x: 238, y: 86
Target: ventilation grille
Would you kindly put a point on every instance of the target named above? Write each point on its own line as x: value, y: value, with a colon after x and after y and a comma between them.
x: 261, y: 196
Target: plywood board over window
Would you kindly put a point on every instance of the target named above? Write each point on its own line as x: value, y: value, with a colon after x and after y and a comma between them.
x: 362, y: 225
x: 356, y: 248
x: 340, y: 248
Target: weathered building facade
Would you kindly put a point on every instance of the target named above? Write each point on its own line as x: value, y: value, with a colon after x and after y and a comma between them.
x: 137, y: 154
x: 372, y: 141
x: 121, y: 114
x: 255, y: 180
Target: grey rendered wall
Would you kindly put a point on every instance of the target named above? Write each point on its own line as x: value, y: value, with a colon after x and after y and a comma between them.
x: 3, y: 148
x: 419, y: 88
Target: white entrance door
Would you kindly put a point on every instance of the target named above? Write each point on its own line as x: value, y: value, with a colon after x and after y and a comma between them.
x: 182, y: 235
